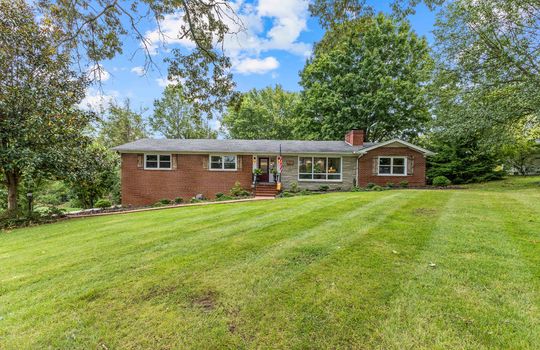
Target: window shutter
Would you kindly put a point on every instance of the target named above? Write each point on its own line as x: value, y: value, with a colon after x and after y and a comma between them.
x: 410, y: 165
x: 205, y: 162
x: 375, y: 167
x: 140, y: 161
x: 174, y: 161
x: 239, y: 162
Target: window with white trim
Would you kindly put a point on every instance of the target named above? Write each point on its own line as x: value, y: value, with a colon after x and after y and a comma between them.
x: 319, y: 168
x: 158, y: 161
x: 393, y: 166
x: 223, y: 162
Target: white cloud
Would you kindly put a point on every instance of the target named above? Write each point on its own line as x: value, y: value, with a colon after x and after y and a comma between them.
x: 287, y: 18
x: 256, y: 66
x: 139, y: 70
x: 98, y: 73
x: 164, y: 82
x: 95, y: 100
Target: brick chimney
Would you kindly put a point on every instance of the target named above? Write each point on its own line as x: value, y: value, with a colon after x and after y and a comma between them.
x: 355, y: 137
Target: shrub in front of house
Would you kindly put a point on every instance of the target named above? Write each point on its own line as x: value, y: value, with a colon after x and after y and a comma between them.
x: 286, y: 194
x: 238, y: 191
x: 356, y: 189
x: 103, y: 203
x: 441, y: 181
x: 390, y: 185
x: 377, y: 188
x: 223, y: 198
x: 294, y: 187
x: 324, y: 188
x: 219, y: 195
x: 404, y: 184
x: 165, y: 201
x: 178, y: 200
x: 370, y: 185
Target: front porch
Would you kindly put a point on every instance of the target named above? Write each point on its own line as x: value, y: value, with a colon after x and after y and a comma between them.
x: 266, y: 175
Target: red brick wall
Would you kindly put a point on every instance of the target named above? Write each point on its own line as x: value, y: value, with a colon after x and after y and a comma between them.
x: 144, y: 187
x: 365, y: 166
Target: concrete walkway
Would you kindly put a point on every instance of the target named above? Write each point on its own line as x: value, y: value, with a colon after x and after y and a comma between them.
x: 128, y: 211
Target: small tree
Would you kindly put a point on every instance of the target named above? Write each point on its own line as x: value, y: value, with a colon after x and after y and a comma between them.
x: 175, y: 118
x: 122, y: 125
x: 40, y: 127
x: 522, y: 145
x: 94, y: 174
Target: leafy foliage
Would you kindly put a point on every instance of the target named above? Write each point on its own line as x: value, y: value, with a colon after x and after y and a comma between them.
x: 175, y: 118
x: 40, y: 127
x: 103, y: 203
x: 121, y: 125
x: 267, y: 114
x: 95, y: 29
x: 367, y: 74
x: 441, y: 181
x: 93, y: 174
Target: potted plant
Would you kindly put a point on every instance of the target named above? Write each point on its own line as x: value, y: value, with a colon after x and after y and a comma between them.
x: 257, y: 173
x: 274, y: 172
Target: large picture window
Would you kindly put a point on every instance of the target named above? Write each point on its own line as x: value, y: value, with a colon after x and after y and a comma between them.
x: 157, y: 161
x: 319, y: 168
x: 392, y: 166
x: 222, y: 162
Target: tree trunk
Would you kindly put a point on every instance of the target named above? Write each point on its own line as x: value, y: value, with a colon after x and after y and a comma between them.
x: 12, y: 181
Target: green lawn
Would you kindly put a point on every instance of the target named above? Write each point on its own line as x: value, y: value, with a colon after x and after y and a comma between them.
x: 391, y: 270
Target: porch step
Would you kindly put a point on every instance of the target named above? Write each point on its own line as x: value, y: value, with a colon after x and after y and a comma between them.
x: 266, y: 190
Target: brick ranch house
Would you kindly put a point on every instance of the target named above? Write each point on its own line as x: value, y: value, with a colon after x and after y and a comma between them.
x: 153, y: 169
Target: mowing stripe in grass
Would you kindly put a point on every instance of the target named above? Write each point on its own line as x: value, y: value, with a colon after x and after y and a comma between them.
x: 360, y: 273
x: 476, y: 296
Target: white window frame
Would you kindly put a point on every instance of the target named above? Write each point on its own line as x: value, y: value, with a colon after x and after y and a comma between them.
x: 222, y: 162
x: 392, y: 166
x: 158, y: 160
x: 312, y: 173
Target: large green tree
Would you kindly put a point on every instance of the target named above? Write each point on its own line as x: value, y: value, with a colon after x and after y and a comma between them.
x: 370, y: 74
x: 121, y: 125
x: 269, y: 113
x: 40, y: 127
x: 489, y: 52
x: 175, y: 118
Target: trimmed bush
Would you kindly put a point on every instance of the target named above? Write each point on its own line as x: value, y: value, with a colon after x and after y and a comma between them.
x: 165, y: 201
x: 103, y: 203
x: 178, y: 200
x: 441, y: 181
x: 390, y: 185
x: 324, y: 188
x: 195, y: 200
x: 294, y: 187
x: 370, y: 185
x: 238, y: 191
x: 224, y: 198
x: 404, y: 184
x: 219, y: 195
x: 377, y: 188
x: 356, y: 189
x: 305, y: 192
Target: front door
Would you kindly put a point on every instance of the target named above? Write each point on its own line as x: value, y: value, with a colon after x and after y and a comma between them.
x: 264, y: 165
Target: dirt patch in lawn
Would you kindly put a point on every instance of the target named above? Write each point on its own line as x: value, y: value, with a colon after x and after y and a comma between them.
x: 206, y: 301
x: 424, y: 212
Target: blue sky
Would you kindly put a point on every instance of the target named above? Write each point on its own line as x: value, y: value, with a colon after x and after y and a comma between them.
x: 272, y: 50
